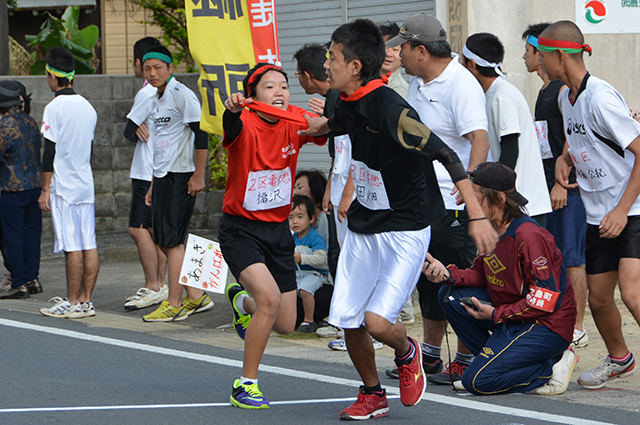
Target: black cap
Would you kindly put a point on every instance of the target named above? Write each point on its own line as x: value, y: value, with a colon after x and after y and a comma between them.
x: 494, y: 175
x: 9, y: 94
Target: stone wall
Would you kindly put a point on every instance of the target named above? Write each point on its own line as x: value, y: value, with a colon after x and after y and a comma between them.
x: 112, y: 97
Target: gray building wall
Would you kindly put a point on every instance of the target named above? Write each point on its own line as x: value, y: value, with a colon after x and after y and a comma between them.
x: 112, y: 97
x: 311, y: 21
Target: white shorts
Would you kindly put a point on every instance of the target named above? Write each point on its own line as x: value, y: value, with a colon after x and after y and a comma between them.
x: 341, y: 228
x: 376, y: 273
x: 74, y: 225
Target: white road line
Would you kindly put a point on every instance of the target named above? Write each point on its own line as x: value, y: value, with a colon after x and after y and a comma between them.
x: 167, y: 406
x: 451, y: 401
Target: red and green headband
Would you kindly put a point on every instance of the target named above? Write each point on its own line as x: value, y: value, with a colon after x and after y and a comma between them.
x: 546, y: 45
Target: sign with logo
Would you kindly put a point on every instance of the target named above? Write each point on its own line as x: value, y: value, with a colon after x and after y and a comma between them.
x: 226, y: 39
x: 608, y: 16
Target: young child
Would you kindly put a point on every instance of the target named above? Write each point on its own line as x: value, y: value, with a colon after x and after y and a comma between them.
x: 312, y: 183
x: 310, y: 254
x: 254, y: 232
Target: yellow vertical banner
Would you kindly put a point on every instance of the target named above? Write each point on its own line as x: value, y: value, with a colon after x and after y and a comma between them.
x: 221, y: 40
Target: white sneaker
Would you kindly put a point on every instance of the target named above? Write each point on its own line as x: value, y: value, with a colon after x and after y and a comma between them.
x: 88, y: 309
x: 562, y: 371
x: 457, y: 385
x: 599, y: 376
x: 338, y: 344
x: 64, y: 309
x: 580, y: 338
x: 341, y: 345
x: 146, y: 297
x: 330, y: 332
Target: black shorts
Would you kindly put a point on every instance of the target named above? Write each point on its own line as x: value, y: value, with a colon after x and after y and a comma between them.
x: 603, y: 255
x: 245, y: 242
x: 171, y: 209
x: 451, y: 244
x: 140, y: 213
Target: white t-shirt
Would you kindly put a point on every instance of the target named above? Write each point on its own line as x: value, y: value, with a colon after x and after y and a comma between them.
x: 69, y: 121
x: 173, y: 139
x: 142, y: 112
x: 508, y: 113
x: 451, y: 105
x: 598, y: 122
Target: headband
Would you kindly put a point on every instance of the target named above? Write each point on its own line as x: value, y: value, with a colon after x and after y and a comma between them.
x: 157, y: 55
x: 546, y: 45
x: 61, y: 74
x: 533, y: 40
x: 482, y: 62
x: 258, y: 73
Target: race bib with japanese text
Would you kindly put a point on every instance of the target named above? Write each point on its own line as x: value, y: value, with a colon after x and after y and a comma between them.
x: 267, y: 189
x: 592, y: 173
x: 542, y: 131
x: 369, y: 187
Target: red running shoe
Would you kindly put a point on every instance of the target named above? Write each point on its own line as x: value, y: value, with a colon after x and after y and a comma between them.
x: 412, y: 382
x: 366, y: 406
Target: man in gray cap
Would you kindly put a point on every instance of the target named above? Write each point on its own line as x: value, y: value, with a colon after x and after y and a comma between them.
x: 451, y: 103
x: 21, y: 184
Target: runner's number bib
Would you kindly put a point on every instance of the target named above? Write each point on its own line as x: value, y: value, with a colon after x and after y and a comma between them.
x: 591, y: 172
x: 267, y: 189
x: 369, y: 187
x: 542, y: 130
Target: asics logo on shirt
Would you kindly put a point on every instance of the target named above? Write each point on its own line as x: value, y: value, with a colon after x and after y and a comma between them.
x: 575, y: 128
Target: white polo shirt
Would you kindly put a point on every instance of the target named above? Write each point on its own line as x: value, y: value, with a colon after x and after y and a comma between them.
x: 173, y: 140
x: 599, y: 128
x: 508, y: 113
x: 69, y: 121
x: 451, y: 105
x: 142, y: 112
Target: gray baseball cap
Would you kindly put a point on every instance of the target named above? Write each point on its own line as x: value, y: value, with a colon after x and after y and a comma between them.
x: 419, y: 27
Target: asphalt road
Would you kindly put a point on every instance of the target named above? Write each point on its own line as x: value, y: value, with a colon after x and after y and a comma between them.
x: 114, y: 369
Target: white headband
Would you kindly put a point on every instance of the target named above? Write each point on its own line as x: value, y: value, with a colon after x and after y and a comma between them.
x: 482, y: 62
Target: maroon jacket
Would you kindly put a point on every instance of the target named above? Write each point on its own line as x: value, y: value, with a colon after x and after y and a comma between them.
x: 526, y: 279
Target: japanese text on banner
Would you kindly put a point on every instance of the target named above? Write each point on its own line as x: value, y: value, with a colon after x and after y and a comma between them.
x: 226, y: 39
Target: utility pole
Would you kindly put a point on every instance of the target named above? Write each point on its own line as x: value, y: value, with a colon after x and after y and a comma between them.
x: 5, y: 55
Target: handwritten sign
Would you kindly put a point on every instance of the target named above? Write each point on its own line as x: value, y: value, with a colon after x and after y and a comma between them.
x: 203, y: 266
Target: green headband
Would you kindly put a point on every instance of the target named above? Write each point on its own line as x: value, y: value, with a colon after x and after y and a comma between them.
x: 61, y: 74
x: 547, y: 46
x: 157, y: 55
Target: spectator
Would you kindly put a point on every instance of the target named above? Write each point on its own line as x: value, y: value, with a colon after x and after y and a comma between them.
x: 179, y: 162
x: 153, y: 260
x: 21, y: 186
x: 68, y: 125
x: 512, y: 134
x: 515, y: 309
x: 310, y: 257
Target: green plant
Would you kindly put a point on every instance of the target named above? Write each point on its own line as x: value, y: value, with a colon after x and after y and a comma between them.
x: 217, y: 163
x: 169, y: 15
x: 65, y: 32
